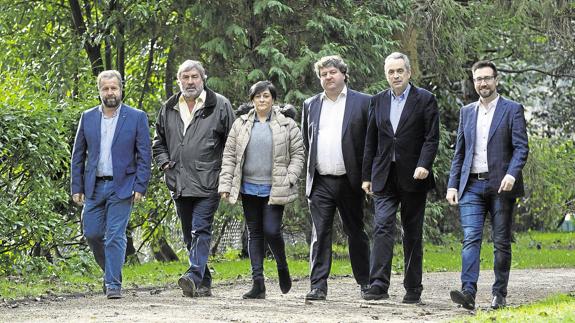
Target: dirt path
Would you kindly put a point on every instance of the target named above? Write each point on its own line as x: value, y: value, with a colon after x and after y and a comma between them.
x: 343, y: 305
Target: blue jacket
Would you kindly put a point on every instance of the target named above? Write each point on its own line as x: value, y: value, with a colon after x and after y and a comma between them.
x: 507, y: 146
x: 131, y: 153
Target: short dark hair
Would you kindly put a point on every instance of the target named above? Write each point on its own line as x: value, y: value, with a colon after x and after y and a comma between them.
x: 482, y: 64
x: 260, y: 87
x: 331, y: 61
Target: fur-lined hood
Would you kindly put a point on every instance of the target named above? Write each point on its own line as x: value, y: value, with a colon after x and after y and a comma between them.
x: 287, y: 110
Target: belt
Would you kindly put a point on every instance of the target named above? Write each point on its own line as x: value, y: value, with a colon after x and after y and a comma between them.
x: 480, y: 176
x: 105, y: 178
x: 333, y: 176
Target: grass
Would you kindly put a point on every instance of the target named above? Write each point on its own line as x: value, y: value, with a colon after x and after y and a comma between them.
x: 556, y: 308
x: 531, y: 250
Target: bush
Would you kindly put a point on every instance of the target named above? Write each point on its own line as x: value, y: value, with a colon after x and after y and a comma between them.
x: 549, y: 177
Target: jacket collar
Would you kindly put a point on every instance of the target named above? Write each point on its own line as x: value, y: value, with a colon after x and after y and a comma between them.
x: 275, y: 116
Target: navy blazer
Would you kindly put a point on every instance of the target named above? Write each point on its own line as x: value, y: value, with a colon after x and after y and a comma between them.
x: 353, y: 135
x: 131, y: 153
x: 507, y: 146
x: 415, y: 141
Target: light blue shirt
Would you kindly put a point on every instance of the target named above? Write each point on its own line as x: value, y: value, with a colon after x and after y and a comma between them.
x: 107, y: 130
x: 396, y: 109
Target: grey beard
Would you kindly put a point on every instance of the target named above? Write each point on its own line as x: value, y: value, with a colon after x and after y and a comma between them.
x: 190, y: 94
x: 111, y: 102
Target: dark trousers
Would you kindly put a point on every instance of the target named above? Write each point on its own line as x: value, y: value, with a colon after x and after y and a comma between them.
x: 328, y: 194
x: 264, y: 223
x: 478, y: 200
x: 197, y: 216
x: 412, y: 212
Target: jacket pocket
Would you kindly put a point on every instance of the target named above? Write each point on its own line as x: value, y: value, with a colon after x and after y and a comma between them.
x: 170, y: 177
x: 208, y: 173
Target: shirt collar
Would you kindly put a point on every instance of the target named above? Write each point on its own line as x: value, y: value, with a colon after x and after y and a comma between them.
x: 269, y: 117
x: 403, y: 95
x: 116, y: 112
x: 199, y: 100
x: 491, y: 104
x: 342, y: 94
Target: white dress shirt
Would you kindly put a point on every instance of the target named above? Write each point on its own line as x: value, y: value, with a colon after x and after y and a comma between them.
x: 484, y: 118
x: 329, y: 151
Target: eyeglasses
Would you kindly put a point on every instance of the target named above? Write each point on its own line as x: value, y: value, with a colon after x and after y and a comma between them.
x: 487, y: 79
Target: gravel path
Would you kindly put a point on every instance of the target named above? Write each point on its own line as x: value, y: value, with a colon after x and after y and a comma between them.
x: 344, y: 303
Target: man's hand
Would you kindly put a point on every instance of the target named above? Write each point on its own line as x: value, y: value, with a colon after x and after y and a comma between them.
x: 506, y: 184
x: 224, y: 195
x: 138, y: 197
x: 78, y: 198
x: 420, y: 173
x: 366, y: 187
x: 451, y: 197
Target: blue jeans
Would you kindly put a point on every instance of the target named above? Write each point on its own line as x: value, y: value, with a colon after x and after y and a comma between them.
x: 197, y: 216
x: 478, y: 200
x: 264, y: 222
x: 105, y: 218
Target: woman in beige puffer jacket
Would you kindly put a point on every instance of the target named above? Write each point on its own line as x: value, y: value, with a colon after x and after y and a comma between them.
x: 262, y: 161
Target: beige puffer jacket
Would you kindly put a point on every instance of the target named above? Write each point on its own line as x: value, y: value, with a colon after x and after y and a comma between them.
x: 288, y: 157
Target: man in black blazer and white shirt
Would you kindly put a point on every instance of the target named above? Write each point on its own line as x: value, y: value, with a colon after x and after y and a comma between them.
x: 401, y: 145
x: 333, y: 128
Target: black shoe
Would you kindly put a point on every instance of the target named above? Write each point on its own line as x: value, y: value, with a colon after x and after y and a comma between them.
x: 104, y: 286
x: 284, y: 279
x: 411, y: 298
x: 113, y: 293
x: 498, y: 302
x: 204, y: 291
x: 363, y: 288
x: 187, y: 285
x: 316, y: 294
x: 463, y: 298
x: 258, y: 290
x: 375, y: 292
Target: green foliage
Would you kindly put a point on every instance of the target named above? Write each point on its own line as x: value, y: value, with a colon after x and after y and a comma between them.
x: 34, y: 153
x: 549, y: 179
x: 555, y: 308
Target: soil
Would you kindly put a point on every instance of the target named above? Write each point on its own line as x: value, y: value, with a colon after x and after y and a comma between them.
x: 343, y: 303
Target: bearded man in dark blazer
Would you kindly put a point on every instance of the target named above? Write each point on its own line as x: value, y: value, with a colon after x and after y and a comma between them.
x: 400, y: 147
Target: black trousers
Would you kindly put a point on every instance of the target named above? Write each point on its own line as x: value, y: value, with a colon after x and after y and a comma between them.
x: 264, y: 222
x: 412, y: 213
x: 328, y: 194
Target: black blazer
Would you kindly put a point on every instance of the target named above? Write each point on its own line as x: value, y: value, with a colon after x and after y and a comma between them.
x: 415, y: 141
x: 353, y: 135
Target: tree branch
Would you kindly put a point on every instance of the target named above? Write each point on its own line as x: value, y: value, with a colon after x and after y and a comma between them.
x: 536, y: 70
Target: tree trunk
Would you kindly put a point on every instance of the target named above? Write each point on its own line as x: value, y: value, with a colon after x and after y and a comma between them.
x: 162, y: 251
x: 92, y: 50
x: 148, y: 72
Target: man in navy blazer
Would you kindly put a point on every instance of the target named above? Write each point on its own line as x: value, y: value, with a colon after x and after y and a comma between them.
x: 333, y: 128
x: 485, y: 177
x: 400, y: 147
x: 111, y: 164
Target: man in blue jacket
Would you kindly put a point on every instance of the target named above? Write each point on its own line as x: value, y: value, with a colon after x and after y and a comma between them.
x: 485, y: 177
x: 111, y: 164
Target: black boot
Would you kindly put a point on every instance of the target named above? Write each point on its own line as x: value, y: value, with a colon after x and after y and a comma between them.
x: 258, y: 290
x: 285, y: 279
